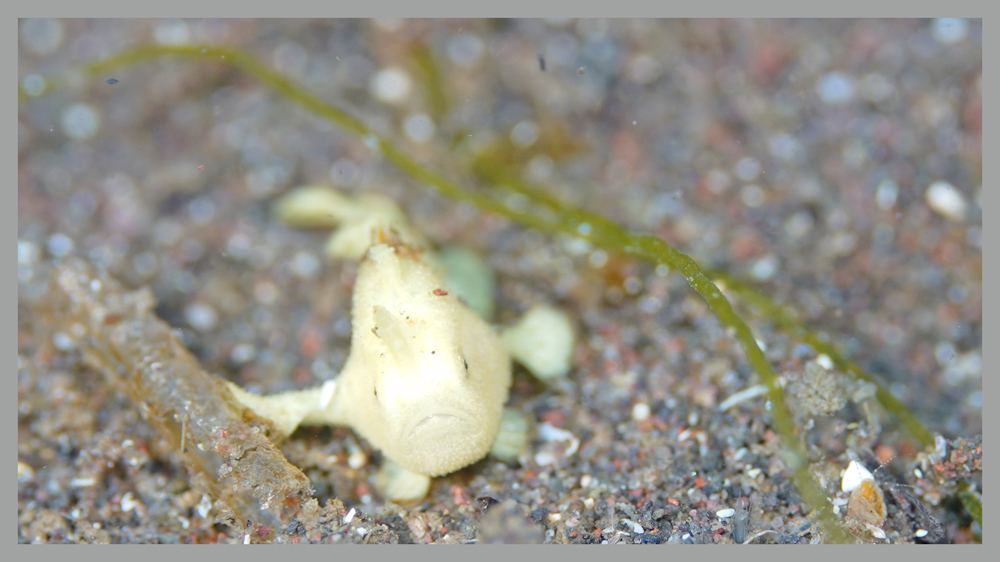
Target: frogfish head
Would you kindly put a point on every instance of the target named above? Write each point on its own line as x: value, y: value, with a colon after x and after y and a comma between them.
x: 440, y: 376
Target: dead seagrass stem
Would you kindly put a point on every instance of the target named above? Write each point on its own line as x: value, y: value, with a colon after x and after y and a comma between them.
x: 222, y: 444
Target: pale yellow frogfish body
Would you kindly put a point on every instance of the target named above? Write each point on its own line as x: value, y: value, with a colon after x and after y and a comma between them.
x: 427, y: 378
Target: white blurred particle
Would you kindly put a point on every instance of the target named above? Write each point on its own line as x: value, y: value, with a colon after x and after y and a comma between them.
x: 200, y: 316
x: 419, y: 127
x: 885, y: 195
x: 33, y: 85
x: 390, y: 85
x: 640, y: 411
x: 948, y: 31
x: 172, y: 32
x: 59, y: 245
x: 27, y: 252
x: 465, y: 49
x: 747, y: 169
x: 79, y: 121
x: 524, y: 134
x: 305, y: 264
x: 835, y: 88
x: 41, y: 35
x: 946, y: 200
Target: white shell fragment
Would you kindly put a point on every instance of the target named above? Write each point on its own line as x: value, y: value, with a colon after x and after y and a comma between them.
x: 946, y: 200
x: 558, y: 444
x: 724, y: 513
x: 743, y: 396
x: 877, y: 532
x: 854, y: 476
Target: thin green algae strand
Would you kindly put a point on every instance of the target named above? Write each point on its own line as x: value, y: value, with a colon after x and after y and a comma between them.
x: 490, y: 172
x: 767, y: 307
x: 788, y: 324
x: 558, y: 218
x: 430, y: 79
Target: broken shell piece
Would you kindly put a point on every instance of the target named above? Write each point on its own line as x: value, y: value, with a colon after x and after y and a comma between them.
x: 855, y: 474
x: 877, y: 532
x: 866, y: 504
x: 559, y: 444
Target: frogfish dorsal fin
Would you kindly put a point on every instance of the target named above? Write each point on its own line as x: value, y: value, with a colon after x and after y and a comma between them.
x: 395, y: 334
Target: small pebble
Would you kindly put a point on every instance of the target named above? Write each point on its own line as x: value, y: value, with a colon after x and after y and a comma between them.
x: 946, y: 200
x: 84, y: 482
x: 200, y: 316
x: 357, y: 459
x: 835, y: 88
x: 724, y: 513
x: 24, y: 472
x: 59, y: 245
x: 128, y: 503
x: 204, y: 506
x: 640, y: 412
